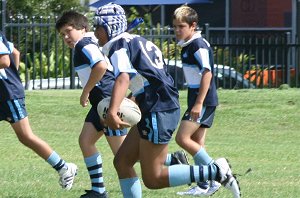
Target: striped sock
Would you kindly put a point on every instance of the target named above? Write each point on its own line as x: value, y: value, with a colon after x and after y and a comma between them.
x: 55, y: 161
x: 94, y: 166
x: 185, y: 174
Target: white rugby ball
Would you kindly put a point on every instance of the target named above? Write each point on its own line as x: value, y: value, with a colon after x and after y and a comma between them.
x: 128, y: 112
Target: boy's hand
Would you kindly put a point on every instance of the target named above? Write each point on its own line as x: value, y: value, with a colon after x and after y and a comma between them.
x: 114, y: 122
x: 84, y: 99
x: 195, y: 113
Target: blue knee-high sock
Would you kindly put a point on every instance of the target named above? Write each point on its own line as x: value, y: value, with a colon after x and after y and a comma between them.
x: 55, y: 161
x: 94, y: 166
x: 131, y: 187
x: 185, y: 174
x: 202, y: 158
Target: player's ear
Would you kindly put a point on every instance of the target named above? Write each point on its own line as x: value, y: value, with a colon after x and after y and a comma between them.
x: 194, y: 25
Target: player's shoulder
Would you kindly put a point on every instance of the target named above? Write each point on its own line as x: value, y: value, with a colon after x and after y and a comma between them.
x: 128, y: 38
x: 200, y: 43
x: 85, y: 41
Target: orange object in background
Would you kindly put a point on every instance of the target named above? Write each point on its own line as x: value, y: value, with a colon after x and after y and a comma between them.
x: 264, y: 76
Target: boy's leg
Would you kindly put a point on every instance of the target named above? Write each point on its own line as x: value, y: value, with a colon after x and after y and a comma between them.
x: 87, y: 141
x: 156, y: 175
x: 67, y: 171
x: 191, y: 136
x: 29, y: 139
x: 115, y: 142
x: 115, y: 138
x: 126, y: 157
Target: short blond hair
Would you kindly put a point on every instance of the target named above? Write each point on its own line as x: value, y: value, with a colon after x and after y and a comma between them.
x: 186, y: 14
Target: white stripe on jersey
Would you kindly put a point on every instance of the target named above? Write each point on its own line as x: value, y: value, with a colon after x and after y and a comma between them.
x: 109, y: 66
x: 202, y: 56
x: 93, y: 53
x: 121, y: 62
x: 4, y: 49
x: 83, y: 72
x: 3, y: 74
x: 192, y: 75
x: 137, y: 84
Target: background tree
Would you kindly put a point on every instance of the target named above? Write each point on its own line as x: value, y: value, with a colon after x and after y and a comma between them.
x: 42, y: 7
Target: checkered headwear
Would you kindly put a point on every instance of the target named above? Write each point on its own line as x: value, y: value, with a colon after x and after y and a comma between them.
x: 112, y: 17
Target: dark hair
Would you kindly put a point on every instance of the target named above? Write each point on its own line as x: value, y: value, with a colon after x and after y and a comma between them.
x: 74, y: 19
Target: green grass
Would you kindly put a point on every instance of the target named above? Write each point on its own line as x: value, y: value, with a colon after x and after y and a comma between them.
x: 257, y: 129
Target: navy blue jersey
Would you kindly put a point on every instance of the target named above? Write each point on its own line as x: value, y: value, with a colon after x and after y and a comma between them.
x: 10, y: 83
x: 196, y: 57
x: 152, y: 86
x: 86, y: 55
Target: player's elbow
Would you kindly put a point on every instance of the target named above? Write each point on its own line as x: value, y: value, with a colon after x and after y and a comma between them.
x: 16, y: 53
x: 4, y: 61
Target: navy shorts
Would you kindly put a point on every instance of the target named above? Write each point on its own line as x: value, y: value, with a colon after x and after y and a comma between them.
x: 13, y: 110
x: 94, y: 118
x: 158, y: 127
x: 207, y: 116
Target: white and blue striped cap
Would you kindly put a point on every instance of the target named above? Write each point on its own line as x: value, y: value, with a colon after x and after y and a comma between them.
x: 112, y: 17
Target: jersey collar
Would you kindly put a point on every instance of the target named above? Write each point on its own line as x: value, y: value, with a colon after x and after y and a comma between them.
x: 183, y: 43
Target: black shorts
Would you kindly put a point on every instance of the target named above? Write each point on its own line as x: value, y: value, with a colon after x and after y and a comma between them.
x: 207, y: 116
x: 13, y: 110
x: 94, y: 118
x: 158, y: 127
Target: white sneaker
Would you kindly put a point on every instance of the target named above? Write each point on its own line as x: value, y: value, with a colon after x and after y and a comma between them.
x: 213, y: 187
x: 194, y: 191
x: 226, y: 178
x: 67, y: 175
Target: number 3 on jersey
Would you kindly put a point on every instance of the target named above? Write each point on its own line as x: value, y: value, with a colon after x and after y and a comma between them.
x: 148, y: 48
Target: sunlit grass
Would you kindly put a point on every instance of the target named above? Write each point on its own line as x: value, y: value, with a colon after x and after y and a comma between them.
x: 257, y: 129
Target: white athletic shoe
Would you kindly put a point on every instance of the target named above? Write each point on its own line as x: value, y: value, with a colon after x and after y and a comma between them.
x: 67, y: 175
x: 198, y: 191
x: 194, y: 191
x: 213, y: 187
x: 226, y: 178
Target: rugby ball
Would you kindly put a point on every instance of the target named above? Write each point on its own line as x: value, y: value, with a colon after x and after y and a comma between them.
x: 128, y: 112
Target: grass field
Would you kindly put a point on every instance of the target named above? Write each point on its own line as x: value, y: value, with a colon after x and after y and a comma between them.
x: 257, y: 129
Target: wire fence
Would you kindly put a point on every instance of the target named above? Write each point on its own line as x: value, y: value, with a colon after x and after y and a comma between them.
x: 244, y: 58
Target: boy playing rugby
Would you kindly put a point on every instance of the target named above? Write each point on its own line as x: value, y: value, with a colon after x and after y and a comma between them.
x: 12, y: 110
x: 198, y: 66
x: 138, y: 65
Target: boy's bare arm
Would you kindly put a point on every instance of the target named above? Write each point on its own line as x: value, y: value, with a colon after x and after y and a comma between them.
x: 4, y: 61
x: 16, y: 57
x: 96, y: 75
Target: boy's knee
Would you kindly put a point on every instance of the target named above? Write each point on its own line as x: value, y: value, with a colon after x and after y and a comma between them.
x: 80, y: 141
x: 26, y: 140
x: 180, y: 140
x: 151, y: 183
x: 116, y: 163
x: 154, y: 183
